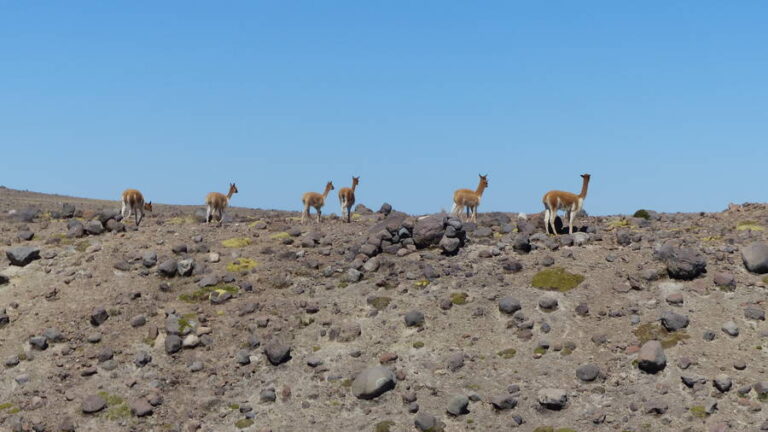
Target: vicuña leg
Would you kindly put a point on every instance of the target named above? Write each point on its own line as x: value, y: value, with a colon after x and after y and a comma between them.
x: 546, y: 220
x: 571, y: 215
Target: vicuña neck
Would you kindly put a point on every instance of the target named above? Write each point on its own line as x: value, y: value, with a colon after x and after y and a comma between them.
x: 327, y: 189
x: 229, y: 195
x: 480, y: 189
x: 584, y: 187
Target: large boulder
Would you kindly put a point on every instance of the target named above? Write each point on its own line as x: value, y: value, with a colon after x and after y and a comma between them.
x: 22, y: 255
x: 552, y: 398
x: 685, y: 263
x: 429, y: 230
x: 651, y: 358
x: 373, y: 382
x: 755, y: 257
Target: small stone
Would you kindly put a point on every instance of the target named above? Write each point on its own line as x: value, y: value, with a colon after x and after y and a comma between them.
x: 373, y: 382
x: 723, y: 383
x: 503, y: 402
x: 458, y: 405
x: 651, y: 357
x: 552, y: 398
x: 141, y: 408
x: 673, y: 321
x: 99, y: 316
x: 723, y: 279
x: 39, y: 343
x: 548, y: 303
x: 243, y: 358
x: 509, y: 305
x: 93, y: 404
x: 142, y: 359
x: 190, y: 341
x: 173, y: 344
x: 414, y: 319
x: 730, y: 328
x: 754, y: 312
x: 138, y: 321
x: 277, y: 352
x: 185, y: 267
x: 426, y: 423
x: 588, y: 372
x: 167, y: 268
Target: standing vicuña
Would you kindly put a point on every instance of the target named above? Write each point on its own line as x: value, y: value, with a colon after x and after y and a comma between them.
x: 316, y: 200
x: 133, y: 201
x: 217, y: 202
x: 559, y: 200
x: 470, y: 199
x: 347, y: 198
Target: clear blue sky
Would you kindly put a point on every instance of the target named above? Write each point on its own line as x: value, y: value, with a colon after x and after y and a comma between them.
x: 664, y: 103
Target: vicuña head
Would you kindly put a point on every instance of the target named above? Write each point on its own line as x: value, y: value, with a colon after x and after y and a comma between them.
x: 347, y: 198
x: 216, y: 203
x: 316, y: 200
x: 558, y: 200
x: 469, y: 199
x: 133, y: 201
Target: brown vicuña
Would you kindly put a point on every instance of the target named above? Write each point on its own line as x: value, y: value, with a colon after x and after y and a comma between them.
x: 347, y: 198
x: 469, y: 199
x: 133, y: 201
x: 217, y: 202
x: 316, y: 200
x: 558, y: 200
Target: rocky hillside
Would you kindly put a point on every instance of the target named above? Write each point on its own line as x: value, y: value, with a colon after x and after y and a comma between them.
x: 389, y: 323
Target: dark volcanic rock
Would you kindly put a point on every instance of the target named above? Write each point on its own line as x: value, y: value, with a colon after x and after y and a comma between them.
x: 755, y: 257
x: 685, y: 264
x: 99, y: 316
x: 277, y: 352
x: 22, y: 255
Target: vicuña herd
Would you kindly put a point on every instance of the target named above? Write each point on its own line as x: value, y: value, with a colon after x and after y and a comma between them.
x: 463, y: 199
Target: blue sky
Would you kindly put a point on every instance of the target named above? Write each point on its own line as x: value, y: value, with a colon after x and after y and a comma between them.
x: 664, y: 103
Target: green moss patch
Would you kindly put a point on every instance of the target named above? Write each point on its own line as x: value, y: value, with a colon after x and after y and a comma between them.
x: 699, y: 411
x: 749, y: 225
x: 117, y: 409
x: 204, y: 293
x: 178, y: 220
x: 280, y: 236
x: 422, y: 283
x: 243, y: 423
x: 236, y: 242
x: 241, y: 265
x: 5, y: 406
x: 459, y: 298
x: 379, y: 303
x: 556, y: 279
x: 655, y: 331
x: 507, y: 353
x: 82, y: 245
x: 418, y: 344
x: 619, y: 223
x: 383, y: 426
